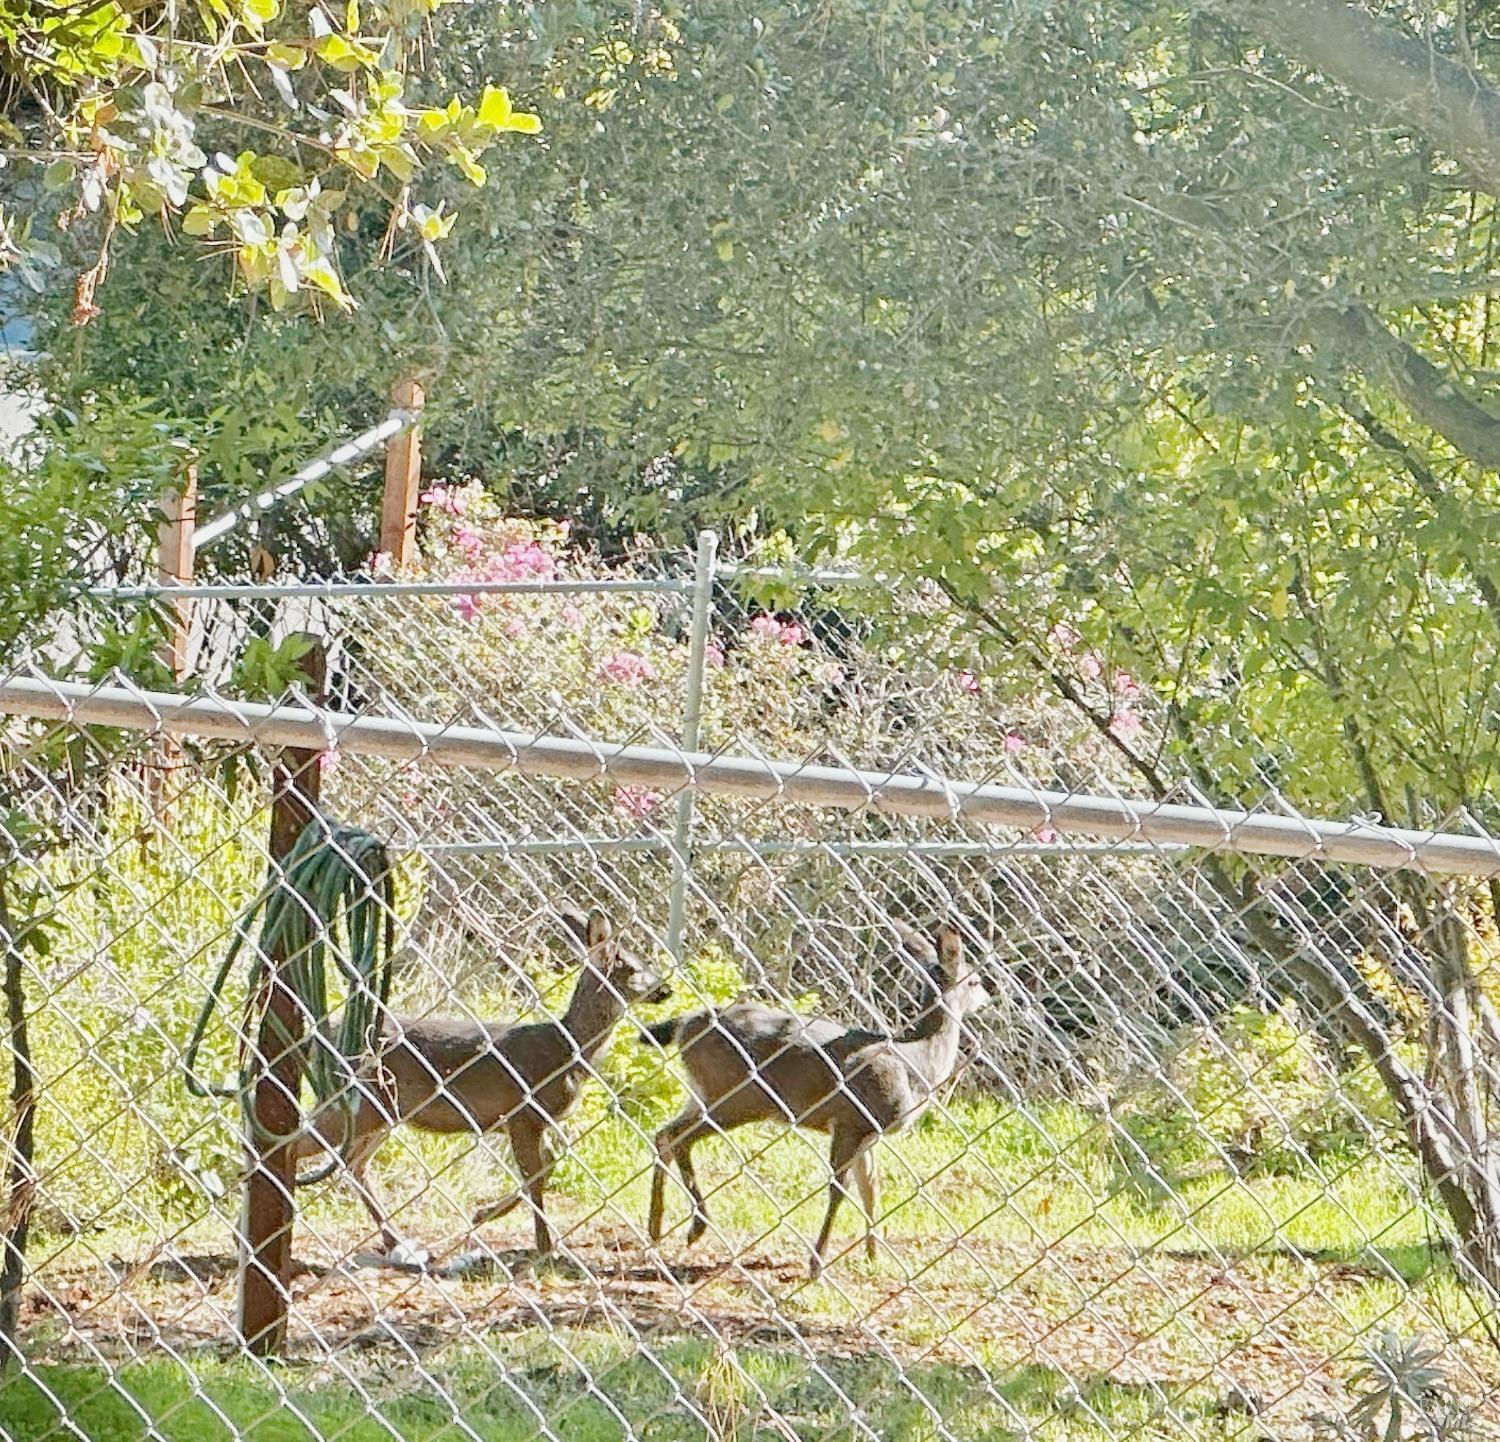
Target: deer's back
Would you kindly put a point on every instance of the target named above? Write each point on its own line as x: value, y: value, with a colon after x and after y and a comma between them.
x: 751, y: 1063
x: 462, y: 1076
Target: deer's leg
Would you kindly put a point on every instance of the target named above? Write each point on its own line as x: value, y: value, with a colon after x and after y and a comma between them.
x: 493, y: 1211
x: 358, y: 1166
x: 844, y: 1155
x: 675, y: 1141
x: 868, y: 1186
x: 535, y: 1165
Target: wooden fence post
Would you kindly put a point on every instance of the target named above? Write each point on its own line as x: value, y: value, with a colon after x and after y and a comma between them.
x: 174, y: 562
x: 403, y: 478
x: 269, y: 1212
x: 174, y: 567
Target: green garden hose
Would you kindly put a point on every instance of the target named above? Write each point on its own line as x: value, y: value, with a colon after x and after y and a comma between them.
x: 336, y: 878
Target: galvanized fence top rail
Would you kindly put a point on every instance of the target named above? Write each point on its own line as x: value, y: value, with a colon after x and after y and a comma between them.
x: 753, y: 777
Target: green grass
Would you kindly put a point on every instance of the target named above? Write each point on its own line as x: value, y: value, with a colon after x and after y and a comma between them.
x: 586, y: 1387
x: 1028, y: 1288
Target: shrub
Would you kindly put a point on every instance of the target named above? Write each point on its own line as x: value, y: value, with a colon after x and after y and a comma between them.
x: 1258, y: 1091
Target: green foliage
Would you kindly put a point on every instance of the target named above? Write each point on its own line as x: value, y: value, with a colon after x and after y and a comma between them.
x: 74, y: 498
x: 814, y: 273
x: 1258, y: 1092
x: 267, y: 669
x: 113, y: 1005
x: 131, y: 115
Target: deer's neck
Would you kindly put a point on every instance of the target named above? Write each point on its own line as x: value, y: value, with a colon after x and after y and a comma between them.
x: 931, y: 1045
x: 592, y: 1015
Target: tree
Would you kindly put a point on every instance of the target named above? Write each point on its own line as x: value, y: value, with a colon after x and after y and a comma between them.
x: 126, y: 114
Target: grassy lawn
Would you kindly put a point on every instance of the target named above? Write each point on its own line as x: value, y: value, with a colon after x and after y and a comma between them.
x: 586, y: 1387
x: 1029, y: 1285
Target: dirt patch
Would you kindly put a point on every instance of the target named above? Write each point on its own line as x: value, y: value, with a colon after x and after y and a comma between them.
x: 1268, y: 1339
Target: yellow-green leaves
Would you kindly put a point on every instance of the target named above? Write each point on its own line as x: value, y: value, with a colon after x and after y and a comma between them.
x: 495, y: 113
x: 131, y: 94
x: 431, y: 224
x: 464, y: 132
x: 259, y: 12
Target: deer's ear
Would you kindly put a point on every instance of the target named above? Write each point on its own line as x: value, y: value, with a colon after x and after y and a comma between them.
x: 600, y: 932
x: 915, y: 944
x: 950, y: 950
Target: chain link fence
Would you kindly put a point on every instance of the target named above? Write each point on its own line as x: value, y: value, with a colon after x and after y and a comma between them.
x: 1193, y: 1169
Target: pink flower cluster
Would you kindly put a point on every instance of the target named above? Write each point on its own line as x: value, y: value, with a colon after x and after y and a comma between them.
x: 788, y: 633
x: 468, y: 543
x: 713, y: 654
x: 636, y: 802
x: 522, y: 561
x: 445, y: 498
x: 626, y: 668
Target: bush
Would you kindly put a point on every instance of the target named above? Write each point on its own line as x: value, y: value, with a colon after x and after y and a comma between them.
x: 1258, y: 1092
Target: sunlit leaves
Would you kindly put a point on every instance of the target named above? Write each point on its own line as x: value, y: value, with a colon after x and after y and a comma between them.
x: 137, y: 106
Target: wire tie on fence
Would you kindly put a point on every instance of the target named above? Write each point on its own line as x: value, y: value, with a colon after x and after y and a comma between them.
x: 117, y: 677
x: 842, y: 760
x: 398, y: 713
x: 755, y: 753
x: 229, y: 707
x: 950, y: 795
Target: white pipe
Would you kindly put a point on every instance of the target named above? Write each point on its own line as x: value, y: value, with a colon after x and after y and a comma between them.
x: 379, y: 590
x: 980, y: 803
x: 340, y: 455
x: 1004, y: 850
x: 692, y: 715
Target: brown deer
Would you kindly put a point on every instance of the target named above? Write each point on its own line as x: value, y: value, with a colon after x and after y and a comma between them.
x: 749, y: 1063
x: 447, y: 1075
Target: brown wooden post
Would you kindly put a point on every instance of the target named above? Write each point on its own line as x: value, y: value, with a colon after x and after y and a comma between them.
x: 403, y: 479
x: 174, y: 567
x: 268, y: 1213
x: 174, y: 562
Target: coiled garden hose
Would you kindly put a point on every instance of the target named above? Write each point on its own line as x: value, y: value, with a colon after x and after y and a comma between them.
x: 336, y: 878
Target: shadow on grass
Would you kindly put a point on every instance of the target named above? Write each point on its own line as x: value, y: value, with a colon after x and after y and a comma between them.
x: 585, y: 1387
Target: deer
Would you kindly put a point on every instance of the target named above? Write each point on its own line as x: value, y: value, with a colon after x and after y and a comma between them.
x: 750, y: 1063
x: 441, y: 1074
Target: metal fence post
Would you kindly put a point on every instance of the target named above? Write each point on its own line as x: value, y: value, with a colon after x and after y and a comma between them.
x: 692, y: 714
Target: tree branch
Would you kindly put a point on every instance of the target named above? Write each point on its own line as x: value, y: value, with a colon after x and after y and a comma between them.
x: 1386, y: 65
x: 1432, y: 397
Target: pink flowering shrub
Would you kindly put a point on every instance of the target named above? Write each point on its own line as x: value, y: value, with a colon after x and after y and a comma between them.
x: 613, y: 666
x: 785, y: 633
x: 445, y: 498
x: 636, y: 802
x: 626, y: 668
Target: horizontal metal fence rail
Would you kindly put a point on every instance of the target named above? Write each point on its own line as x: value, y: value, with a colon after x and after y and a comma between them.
x: 341, y: 454
x: 755, y: 778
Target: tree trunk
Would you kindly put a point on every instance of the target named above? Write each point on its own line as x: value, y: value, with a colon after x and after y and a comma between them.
x: 20, y: 1172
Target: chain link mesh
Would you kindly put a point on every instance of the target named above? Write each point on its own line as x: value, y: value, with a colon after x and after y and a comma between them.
x: 1163, y: 1190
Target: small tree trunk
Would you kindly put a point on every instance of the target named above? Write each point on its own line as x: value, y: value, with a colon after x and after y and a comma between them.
x: 20, y: 1171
